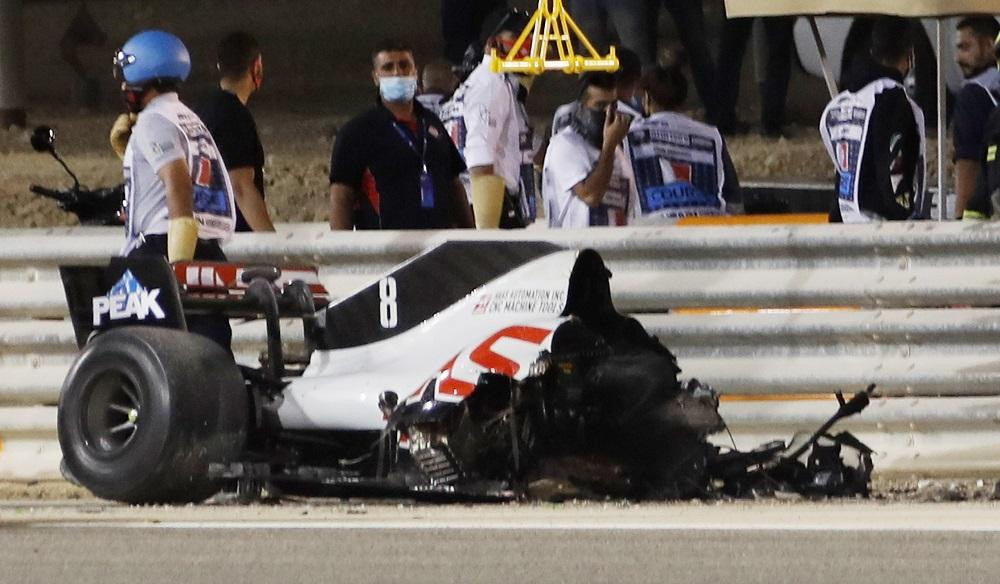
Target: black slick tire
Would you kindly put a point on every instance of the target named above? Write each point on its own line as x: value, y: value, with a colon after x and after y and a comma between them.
x: 144, y: 411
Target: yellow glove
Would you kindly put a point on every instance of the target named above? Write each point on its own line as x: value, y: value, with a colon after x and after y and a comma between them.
x: 121, y: 131
x: 182, y: 237
x: 487, y: 200
x: 970, y: 215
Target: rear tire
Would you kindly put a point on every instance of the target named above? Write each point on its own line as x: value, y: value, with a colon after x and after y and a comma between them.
x: 145, y: 410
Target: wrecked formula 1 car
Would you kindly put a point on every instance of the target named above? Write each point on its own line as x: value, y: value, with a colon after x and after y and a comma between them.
x: 476, y: 370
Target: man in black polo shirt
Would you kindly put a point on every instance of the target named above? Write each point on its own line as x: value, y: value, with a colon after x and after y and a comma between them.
x: 974, y: 45
x: 394, y: 166
x: 226, y: 115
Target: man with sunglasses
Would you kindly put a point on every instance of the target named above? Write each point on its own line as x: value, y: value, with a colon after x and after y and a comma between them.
x: 874, y: 133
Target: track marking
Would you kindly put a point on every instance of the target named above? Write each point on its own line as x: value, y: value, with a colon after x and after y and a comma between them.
x: 512, y: 526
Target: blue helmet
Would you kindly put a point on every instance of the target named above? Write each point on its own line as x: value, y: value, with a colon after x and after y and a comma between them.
x: 152, y: 55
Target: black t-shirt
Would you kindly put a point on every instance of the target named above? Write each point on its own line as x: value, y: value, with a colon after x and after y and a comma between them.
x: 972, y: 107
x: 383, y: 159
x: 235, y: 133
x: 988, y: 182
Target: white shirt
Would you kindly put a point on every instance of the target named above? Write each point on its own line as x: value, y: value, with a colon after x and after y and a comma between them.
x: 569, y: 161
x: 563, y: 117
x: 432, y: 102
x: 495, y: 123
x: 165, y: 131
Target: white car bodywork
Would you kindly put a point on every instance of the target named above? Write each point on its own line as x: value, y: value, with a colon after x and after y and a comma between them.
x: 340, y: 388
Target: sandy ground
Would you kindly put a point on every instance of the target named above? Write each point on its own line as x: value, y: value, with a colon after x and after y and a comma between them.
x: 297, y: 164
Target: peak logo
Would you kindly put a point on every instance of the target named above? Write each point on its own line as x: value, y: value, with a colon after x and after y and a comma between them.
x: 127, y: 299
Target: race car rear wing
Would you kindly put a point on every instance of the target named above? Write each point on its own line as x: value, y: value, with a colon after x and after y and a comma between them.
x: 151, y: 292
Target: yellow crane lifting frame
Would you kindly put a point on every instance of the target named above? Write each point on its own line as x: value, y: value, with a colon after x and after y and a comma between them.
x: 552, y: 26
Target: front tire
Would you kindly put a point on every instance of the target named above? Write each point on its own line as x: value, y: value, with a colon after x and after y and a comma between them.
x: 145, y: 410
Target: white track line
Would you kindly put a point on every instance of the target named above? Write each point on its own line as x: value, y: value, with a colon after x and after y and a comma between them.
x: 513, y: 526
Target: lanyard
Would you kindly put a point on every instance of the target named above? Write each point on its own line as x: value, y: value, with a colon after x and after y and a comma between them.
x: 422, y: 153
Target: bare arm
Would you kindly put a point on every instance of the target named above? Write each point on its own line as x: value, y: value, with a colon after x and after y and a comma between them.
x: 249, y: 199
x: 966, y: 172
x: 180, y: 192
x: 463, y: 212
x: 342, y: 199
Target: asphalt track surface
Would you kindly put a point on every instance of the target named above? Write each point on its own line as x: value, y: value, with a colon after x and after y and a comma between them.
x: 849, y: 542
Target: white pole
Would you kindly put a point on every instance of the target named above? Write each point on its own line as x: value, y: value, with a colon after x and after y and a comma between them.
x: 831, y: 84
x: 942, y: 196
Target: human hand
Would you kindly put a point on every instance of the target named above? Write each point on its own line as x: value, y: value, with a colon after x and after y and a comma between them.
x: 121, y: 131
x: 616, y: 126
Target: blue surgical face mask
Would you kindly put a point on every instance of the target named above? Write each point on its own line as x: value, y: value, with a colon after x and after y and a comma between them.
x: 397, y: 89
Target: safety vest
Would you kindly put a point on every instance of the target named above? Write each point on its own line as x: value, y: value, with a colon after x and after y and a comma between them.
x: 844, y: 127
x: 214, y: 206
x: 677, y: 167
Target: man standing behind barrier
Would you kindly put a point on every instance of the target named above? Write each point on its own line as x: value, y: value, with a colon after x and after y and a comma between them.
x: 232, y: 126
x: 437, y: 83
x: 177, y: 192
x: 874, y: 134
x: 985, y: 200
x: 974, y: 53
x: 488, y: 122
x: 584, y: 177
x: 681, y: 166
x: 398, y: 157
x: 627, y: 79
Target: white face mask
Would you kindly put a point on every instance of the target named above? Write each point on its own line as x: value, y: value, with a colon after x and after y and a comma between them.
x: 397, y: 89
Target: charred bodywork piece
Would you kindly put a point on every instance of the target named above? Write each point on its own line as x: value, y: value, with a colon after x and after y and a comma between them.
x: 477, y: 370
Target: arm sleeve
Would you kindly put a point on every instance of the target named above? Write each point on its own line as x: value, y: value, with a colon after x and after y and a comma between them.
x: 893, y: 116
x: 565, y: 166
x: 980, y: 199
x: 486, y: 112
x: 731, y: 191
x: 159, y: 141
x: 347, y: 163
x: 972, y: 108
x: 234, y: 135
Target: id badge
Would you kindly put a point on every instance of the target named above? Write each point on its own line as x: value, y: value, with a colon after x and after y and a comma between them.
x: 426, y: 190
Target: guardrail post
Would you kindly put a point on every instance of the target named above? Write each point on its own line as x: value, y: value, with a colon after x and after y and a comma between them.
x: 12, y: 64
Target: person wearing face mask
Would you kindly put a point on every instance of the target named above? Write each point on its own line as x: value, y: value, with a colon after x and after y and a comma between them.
x: 232, y: 126
x: 681, y: 166
x: 394, y: 166
x: 874, y: 134
x: 974, y: 46
x: 584, y: 176
x: 627, y: 92
x: 178, y: 197
x: 487, y: 120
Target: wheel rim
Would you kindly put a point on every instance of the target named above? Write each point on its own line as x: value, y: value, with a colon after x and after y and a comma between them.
x: 112, y: 413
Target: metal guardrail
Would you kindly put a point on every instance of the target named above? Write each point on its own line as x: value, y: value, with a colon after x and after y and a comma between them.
x: 908, y: 306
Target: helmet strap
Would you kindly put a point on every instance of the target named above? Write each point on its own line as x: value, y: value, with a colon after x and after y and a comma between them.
x: 133, y: 98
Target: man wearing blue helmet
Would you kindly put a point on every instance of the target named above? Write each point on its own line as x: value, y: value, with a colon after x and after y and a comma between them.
x: 178, y: 197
